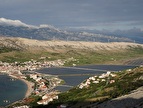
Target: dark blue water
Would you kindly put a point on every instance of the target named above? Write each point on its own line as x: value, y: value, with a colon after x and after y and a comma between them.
x: 67, y: 71
x: 15, y: 90
x: 74, y: 78
x: 108, y: 67
x: 11, y: 90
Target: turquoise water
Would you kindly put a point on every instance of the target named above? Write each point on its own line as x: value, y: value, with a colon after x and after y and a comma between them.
x: 11, y: 90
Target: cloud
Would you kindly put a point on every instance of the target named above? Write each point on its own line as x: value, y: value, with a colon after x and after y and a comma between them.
x: 9, y: 22
x: 4, y: 21
x: 75, y: 13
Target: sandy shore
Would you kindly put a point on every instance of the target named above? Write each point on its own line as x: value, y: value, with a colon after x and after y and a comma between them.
x: 29, y: 87
x: 29, y: 84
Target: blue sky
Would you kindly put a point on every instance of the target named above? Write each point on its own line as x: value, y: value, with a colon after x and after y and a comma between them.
x: 81, y: 14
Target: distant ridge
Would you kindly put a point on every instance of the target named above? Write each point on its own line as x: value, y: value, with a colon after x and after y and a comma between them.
x: 16, y: 28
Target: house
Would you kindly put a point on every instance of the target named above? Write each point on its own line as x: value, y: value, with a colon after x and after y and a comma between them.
x: 112, y: 81
x: 96, y: 82
x: 113, y: 75
x: 38, y: 79
x: 103, y: 80
x: 24, y: 106
x: 50, y: 95
x: 102, y: 76
x: 44, y: 101
x: 108, y: 73
x: 92, y: 78
x: 34, y: 76
x: 62, y: 106
x: 81, y: 86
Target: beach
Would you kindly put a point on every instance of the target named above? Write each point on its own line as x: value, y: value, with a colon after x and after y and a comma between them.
x: 29, y: 84
x: 30, y: 88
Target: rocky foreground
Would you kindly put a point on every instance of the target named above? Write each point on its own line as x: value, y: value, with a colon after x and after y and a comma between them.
x: 132, y: 100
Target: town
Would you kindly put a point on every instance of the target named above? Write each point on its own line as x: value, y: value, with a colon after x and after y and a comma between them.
x: 38, y: 84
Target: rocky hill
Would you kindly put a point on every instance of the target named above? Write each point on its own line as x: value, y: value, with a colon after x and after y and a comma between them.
x: 131, y: 100
x: 22, y: 49
x: 23, y: 43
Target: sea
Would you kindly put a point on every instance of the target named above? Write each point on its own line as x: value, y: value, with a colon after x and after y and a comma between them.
x: 11, y: 90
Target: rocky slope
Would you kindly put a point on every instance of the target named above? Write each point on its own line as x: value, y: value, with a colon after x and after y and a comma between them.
x: 22, y: 43
x: 122, y: 89
x: 132, y: 100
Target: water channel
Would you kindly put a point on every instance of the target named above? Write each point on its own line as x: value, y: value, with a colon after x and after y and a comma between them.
x: 75, y: 75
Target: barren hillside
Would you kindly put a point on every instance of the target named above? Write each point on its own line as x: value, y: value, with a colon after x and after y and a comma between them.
x: 29, y: 43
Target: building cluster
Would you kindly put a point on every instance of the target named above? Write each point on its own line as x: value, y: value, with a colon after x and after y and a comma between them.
x: 105, y: 77
x: 34, y: 65
x: 73, y: 60
x: 24, y: 106
x: 29, y: 65
x: 49, y: 97
x: 43, y: 89
x: 44, y: 84
x: 10, y: 68
x: 40, y: 82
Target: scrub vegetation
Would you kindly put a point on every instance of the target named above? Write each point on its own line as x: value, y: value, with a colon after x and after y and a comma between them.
x: 125, y: 82
x: 82, y: 57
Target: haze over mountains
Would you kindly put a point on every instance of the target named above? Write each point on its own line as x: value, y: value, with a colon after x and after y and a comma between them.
x: 16, y: 28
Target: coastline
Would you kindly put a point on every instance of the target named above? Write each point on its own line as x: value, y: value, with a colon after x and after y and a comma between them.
x: 29, y: 90
x: 30, y: 85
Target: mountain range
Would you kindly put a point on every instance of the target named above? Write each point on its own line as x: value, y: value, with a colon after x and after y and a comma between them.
x: 16, y: 28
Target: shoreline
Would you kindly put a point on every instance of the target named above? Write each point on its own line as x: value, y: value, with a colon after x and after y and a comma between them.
x: 29, y: 85
x: 30, y: 88
x: 28, y: 92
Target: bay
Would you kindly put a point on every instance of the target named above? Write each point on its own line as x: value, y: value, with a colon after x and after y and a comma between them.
x: 11, y: 90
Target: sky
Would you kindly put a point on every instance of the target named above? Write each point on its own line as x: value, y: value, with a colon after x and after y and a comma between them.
x: 76, y: 14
